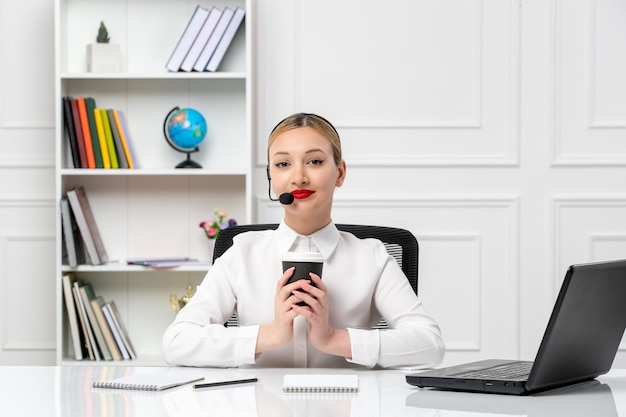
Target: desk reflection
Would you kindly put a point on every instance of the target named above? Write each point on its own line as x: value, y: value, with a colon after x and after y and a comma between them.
x: 262, y: 399
x: 590, y: 398
x: 266, y: 399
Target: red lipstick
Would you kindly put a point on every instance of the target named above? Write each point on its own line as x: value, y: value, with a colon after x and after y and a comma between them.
x: 300, y: 194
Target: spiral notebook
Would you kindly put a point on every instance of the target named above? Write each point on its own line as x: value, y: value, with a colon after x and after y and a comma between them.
x: 320, y: 383
x: 147, y: 382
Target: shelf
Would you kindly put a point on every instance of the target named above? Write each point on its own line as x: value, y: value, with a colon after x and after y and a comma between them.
x: 121, y: 267
x: 228, y: 75
x: 154, y: 172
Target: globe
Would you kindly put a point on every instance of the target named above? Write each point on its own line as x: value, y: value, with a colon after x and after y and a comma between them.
x: 184, y: 130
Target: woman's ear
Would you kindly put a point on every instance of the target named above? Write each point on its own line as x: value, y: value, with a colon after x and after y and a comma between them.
x: 341, y: 170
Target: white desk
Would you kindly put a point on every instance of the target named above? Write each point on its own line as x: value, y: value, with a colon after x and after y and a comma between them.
x: 66, y: 392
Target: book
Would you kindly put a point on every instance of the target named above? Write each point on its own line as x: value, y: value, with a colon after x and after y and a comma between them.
x: 87, y: 225
x: 72, y: 315
x: 78, y: 130
x: 87, y: 294
x: 89, y: 339
x: 71, y: 134
x: 71, y: 235
x: 201, y: 40
x: 102, y: 140
x: 226, y: 40
x: 123, y: 139
x: 127, y: 138
x: 117, y: 140
x: 84, y: 124
x: 190, y: 33
x: 119, y: 330
x: 320, y: 383
x: 153, y: 261
x: 90, y: 104
x: 115, y: 332
x: 109, y: 138
x: 148, y: 381
x: 214, y: 40
x: 96, y: 304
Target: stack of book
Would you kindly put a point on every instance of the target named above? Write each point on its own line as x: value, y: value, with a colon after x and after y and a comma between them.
x: 206, y: 39
x: 98, y: 138
x: 83, y: 243
x: 97, y: 330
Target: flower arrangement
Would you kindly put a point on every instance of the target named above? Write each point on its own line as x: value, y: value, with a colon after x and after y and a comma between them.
x: 213, y: 228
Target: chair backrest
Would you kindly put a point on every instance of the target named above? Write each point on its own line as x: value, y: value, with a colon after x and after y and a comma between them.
x: 400, y: 243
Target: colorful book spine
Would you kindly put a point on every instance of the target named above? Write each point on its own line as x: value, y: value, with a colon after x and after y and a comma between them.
x: 109, y: 137
x: 80, y: 143
x: 123, y: 140
x: 84, y: 123
x: 102, y: 140
x: 90, y: 104
x: 71, y: 134
x: 121, y: 157
x: 129, y: 141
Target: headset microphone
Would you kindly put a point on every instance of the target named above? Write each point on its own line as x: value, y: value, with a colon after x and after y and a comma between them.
x: 284, y: 198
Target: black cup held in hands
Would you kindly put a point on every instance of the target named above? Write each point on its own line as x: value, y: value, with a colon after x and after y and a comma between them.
x: 304, y: 263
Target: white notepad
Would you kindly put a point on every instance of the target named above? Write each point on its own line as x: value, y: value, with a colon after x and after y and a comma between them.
x: 321, y: 383
x: 147, y: 382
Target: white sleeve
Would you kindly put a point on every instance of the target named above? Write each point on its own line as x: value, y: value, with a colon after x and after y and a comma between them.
x: 197, y: 337
x: 413, y: 338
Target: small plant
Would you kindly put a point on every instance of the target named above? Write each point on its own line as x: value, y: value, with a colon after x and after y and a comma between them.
x: 103, y: 34
x: 213, y: 227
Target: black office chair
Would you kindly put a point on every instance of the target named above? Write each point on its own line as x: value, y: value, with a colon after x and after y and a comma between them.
x: 400, y: 243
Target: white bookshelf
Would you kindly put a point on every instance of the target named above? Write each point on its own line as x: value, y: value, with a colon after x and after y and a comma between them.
x: 152, y: 211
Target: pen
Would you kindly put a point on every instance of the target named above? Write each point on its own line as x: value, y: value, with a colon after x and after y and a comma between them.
x: 219, y: 384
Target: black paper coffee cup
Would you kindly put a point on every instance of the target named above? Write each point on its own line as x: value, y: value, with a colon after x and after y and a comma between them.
x: 304, y: 263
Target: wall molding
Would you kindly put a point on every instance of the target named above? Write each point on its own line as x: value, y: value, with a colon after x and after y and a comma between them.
x: 475, y: 239
x: 26, y: 164
x: 7, y: 315
x: 506, y: 139
x: 558, y: 203
x: 583, y: 158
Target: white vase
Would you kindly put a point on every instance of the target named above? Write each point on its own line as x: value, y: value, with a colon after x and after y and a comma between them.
x: 211, y: 249
x: 103, y: 57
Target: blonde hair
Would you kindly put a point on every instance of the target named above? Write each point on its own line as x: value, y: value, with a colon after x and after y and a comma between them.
x: 315, y: 122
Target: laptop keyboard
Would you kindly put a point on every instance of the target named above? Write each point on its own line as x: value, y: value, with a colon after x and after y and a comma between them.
x: 514, y: 370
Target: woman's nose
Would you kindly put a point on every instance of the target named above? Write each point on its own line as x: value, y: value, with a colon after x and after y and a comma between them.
x: 299, y: 175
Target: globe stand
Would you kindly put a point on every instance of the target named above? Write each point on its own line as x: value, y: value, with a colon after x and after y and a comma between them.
x: 187, y: 163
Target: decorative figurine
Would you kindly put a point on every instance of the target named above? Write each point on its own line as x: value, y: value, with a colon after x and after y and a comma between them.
x: 178, y: 303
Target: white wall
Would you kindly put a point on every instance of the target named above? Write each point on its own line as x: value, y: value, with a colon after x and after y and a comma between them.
x: 491, y: 129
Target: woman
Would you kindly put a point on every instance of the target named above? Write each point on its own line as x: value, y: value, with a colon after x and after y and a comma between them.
x: 362, y: 282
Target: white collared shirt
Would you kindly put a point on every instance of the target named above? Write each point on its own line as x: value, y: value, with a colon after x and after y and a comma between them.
x: 364, y: 283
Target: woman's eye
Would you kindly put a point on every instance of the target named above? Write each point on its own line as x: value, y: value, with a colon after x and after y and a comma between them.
x: 316, y: 161
x: 280, y: 164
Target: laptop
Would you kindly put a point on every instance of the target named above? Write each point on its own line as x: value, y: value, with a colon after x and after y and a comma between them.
x: 579, y: 344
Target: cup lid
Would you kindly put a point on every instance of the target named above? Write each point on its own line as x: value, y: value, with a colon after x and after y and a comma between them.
x: 303, y: 256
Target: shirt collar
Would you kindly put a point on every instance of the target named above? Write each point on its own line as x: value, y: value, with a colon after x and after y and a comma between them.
x: 325, y: 239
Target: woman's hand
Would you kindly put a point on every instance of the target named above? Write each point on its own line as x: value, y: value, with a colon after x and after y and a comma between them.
x: 280, y: 331
x: 321, y: 335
